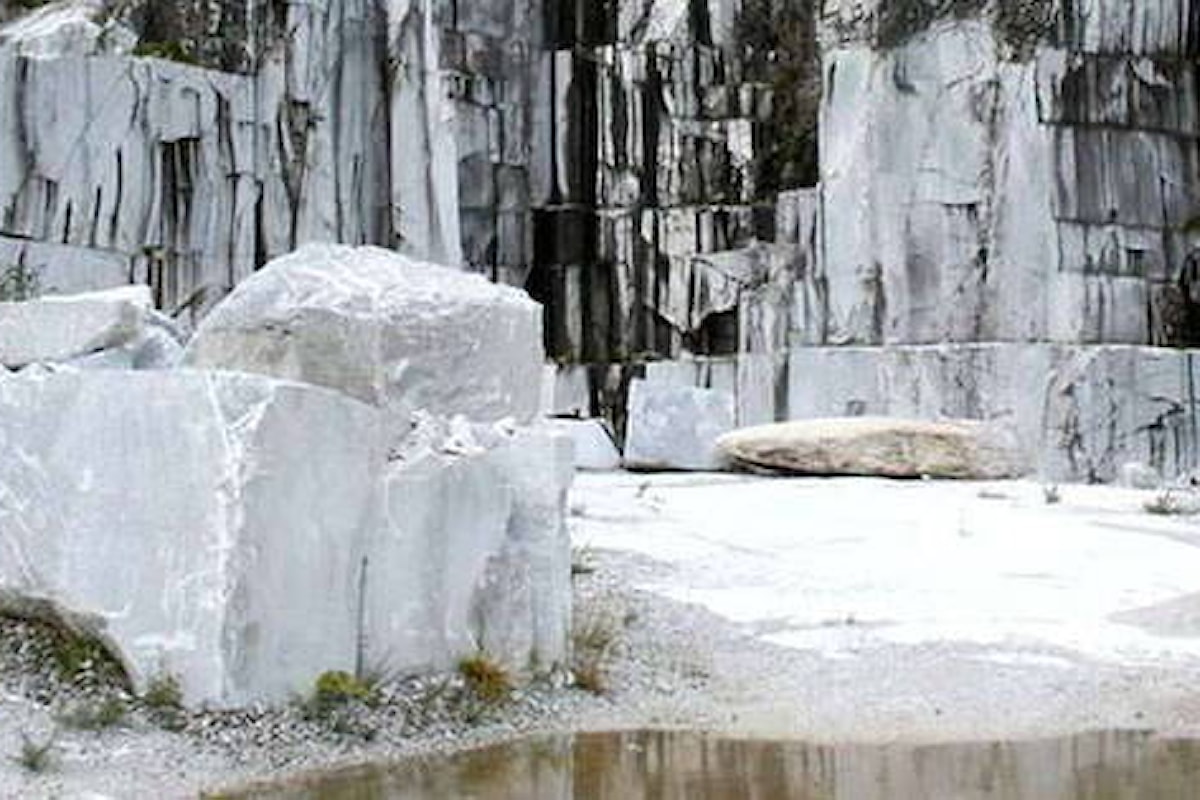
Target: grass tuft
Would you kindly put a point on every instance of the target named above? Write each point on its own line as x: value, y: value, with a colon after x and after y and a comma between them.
x: 95, y: 715
x: 36, y: 756
x: 1167, y: 504
x: 486, y: 678
x: 593, y: 641
x: 163, y: 700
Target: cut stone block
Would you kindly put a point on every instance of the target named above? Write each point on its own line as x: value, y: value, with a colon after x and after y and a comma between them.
x: 214, y: 522
x: 59, y: 328
x: 473, y: 553
x: 396, y: 333
x: 675, y: 427
x: 594, y: 446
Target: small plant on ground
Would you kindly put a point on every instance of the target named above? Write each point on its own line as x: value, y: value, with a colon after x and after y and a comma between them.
x: 163, y: 701
x: 76, y: 657
x: 163, y: 691
x: 486, y: 678
x: 583, y: 561
x: 593, y: 641
x: 36, y: 756
x: 335, y: 699
x: 95, y: 715
x: 1052, y: 495
x: 18, y: 283
x: 1167, y: 504
x: 339, y: 688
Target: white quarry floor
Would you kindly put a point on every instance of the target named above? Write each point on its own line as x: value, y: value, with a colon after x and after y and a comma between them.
x: 845, y: 567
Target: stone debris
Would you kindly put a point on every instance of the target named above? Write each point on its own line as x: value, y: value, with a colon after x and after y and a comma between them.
x: 396, y: 333
x: 60, y: 328
x: 995, y: 222
x: 676, y: 428
x: 875, y: 446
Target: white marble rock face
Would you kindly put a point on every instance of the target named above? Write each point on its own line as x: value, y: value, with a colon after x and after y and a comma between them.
x: 974, y: 195
x: 473, y: 553
x: 676, y: 427
x: 191, y: 176
x: 64, y: 327
x: 172, y: 506
x: 396, y: 333
x: 246, y: 534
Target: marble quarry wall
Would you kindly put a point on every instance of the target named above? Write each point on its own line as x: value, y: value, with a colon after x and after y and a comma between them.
x: 719, y: 183
x: 1005, y: 226
x: 185, y: 144
x: 670, y: 127
x: 986, y: 183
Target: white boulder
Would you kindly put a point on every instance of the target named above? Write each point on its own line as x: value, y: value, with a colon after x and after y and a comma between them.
x: 876, y: 446
x: 246, y: 534
x: 396, y: 333
x: 673, y: 427
x: 214, y: 522
x: 63, y: 327
x: 594, y: 445
x: 473, y: 552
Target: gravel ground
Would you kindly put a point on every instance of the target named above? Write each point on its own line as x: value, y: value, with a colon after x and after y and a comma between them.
x: 655, y: 670
x: 661, y: 664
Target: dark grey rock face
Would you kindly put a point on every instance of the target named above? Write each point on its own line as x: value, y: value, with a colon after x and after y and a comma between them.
x: 591, y: 149
x: 671, y: 125
x: 491, y: 55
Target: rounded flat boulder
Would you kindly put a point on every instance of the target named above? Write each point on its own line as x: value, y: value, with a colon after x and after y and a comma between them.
x: 875, y: 446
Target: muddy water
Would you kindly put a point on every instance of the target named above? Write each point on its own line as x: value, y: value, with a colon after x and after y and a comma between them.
x: 686, y: 766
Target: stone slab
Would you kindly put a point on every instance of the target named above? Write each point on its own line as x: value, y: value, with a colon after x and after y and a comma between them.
x: 674, y: 427
x: 61, y: 327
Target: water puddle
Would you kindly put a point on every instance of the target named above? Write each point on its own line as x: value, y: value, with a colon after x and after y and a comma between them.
x: 691, y: 766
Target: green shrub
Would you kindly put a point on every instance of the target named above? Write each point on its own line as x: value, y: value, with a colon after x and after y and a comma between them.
x: 339, y: 688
